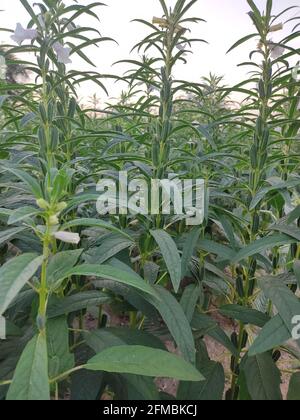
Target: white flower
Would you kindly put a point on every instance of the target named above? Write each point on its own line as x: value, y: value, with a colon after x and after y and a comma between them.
x: 3, y: 67
x: 68, y: 237
x: 276, y: 50
x: 22, y: 34
x: 63, y: 53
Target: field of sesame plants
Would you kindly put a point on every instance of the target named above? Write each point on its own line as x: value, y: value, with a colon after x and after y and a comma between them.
x: 150, y: 247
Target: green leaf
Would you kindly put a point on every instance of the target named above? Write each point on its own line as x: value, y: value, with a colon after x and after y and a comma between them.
x: 189, y: 300
x: 141, y: 388
x: 144, y: 361
x: 170, y: 255
x: 60, y: 359
x: 245, y: 315
x: 263, y: 378
x: 176, y: 321
x: 211, y: 389
x: 77, y: 302
x: 292, y: 231
x: 261, y: 245
x: 277, y: 187
x: 207, y: 326
x: 294, y: 388
x: 30, y: 381
x: 9, y: 234
x: 109, y: 248
x: 59, y: 265
x: 31, y: 182
x: 115, y: 336
x: 21, y: 214
x: 94, y: 223
x: 188, y: 250
x: 274, y: 334
x: 86, y: 385
x: 112, y: 273
x: 283, y: 298
x: 222, y: 251
x: 14, y: 275
x: 241, y: 41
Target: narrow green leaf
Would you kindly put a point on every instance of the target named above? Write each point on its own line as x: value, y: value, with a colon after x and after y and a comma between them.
x: 207, y: 326
x: 176, y: 321
x: 112, y: 273
x: 211, y: 389
x: 274, y: 334
x: 240, y: 42
x: 59, y: 265
x: 116, y: 336
x: 189, y: 300
x: 287, y: 304
x: 170, y: 255
x: 245, y: 315
x: 188, y: 250
x: 21, y: 214
x: 77, y: 302
x: 144, y: 361
x: 30, y: 381
x: 263, y: 378
x: 94, y: 223
x: 9, y: 234
x: 260, y: 245
x: 14, y: 275
x: 60, y: 359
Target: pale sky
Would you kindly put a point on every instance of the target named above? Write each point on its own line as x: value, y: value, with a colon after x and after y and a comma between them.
x: 227, y: 22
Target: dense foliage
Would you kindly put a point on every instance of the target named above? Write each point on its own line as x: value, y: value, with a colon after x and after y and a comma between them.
x: 97, y: 305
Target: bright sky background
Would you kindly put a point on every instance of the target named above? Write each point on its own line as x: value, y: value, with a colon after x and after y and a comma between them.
x: 227, y: 22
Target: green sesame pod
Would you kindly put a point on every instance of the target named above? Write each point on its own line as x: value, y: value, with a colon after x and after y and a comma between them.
x: 253, y: 268
x: 54, y: 138
x: 251, y: 287
x: 42, y: 139
x: 60, y: 109
x: 261, y: 89
x: 266, y: 137
x: 50, y: 111
x: 245, y: 339
x: 259, y: 126
x: 256, y: 223
x: 240, y: 287
x: 155, y: 154
x: 43, y: 114
x: 253, y: 156
x: 235, y: 339
x: 233, y: 364
x: 72, y: 108
x: 263, y: 160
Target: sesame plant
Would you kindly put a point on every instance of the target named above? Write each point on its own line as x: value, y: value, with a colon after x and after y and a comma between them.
x: 98, y: 304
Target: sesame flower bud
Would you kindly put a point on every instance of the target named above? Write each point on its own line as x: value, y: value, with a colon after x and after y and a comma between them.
x: 68, y: 237
x: 276, y: 28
